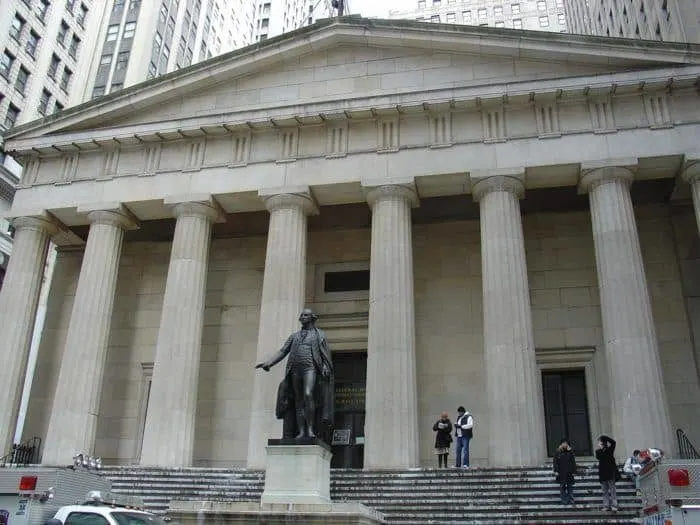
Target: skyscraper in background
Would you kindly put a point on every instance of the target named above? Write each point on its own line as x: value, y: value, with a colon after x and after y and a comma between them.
x: 274, y: 17
x: 44, y: 46
x: 142, y: 40
x: 669, y: 20
x: 538, y: 15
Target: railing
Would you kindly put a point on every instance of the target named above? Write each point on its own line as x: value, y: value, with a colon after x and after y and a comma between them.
x: 23, y: 454
x: 685, y: 447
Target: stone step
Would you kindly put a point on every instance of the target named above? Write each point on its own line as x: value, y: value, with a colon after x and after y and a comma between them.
x: 409, y: 497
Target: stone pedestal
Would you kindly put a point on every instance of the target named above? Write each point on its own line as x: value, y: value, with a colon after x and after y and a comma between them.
x: 297, y: 472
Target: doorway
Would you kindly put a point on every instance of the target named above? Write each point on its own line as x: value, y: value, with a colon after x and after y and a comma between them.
x: 349, y: 429
x: 566, y: 410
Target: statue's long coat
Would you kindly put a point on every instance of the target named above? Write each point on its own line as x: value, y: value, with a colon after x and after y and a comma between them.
x: 325, y: 386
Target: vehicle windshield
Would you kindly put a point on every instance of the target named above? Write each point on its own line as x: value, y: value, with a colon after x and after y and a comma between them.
x: 136, y: 518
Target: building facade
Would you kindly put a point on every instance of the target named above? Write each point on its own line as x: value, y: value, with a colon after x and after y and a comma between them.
x: 43, y: 45
x: 8, y: 182
x: 274, y: 17
x: 537, y: 15
x: 667, y: 20
x: 484, y: 219
x: 142, y: 40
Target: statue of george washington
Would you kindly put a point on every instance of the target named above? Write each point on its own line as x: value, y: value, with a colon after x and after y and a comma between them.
x: 305, y: 396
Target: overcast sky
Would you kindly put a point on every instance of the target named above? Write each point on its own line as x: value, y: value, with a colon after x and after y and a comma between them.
x: 378, y: 8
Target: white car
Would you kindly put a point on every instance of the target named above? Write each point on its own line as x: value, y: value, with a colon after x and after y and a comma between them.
x: 105, y: 515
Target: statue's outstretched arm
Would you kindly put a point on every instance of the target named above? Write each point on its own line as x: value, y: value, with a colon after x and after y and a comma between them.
x: 277, y: 357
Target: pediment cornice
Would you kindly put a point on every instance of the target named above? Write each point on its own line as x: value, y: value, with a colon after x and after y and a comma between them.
x: 670, y: 59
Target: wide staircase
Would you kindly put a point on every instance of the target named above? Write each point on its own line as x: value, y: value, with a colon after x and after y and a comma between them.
x: 410, y: 497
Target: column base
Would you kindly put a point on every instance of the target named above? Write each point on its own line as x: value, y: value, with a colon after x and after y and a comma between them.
x: 298, y: 472
x: 251, y: 513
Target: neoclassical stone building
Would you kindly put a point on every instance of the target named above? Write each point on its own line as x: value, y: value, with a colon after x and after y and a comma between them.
x: 494, y: 218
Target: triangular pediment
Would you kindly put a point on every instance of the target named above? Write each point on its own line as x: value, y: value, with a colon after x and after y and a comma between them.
x: 351, y: 64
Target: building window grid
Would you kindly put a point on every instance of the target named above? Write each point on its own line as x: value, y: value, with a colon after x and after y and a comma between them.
x: 17, y: 27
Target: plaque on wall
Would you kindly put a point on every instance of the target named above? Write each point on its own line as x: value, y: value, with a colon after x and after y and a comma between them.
x: 341, y: 436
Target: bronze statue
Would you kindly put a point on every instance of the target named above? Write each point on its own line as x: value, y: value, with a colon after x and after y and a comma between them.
x: 306, y: 394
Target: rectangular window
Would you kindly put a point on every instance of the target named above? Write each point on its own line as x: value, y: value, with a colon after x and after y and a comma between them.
x: 57, y: 107
x: 451, y: 18
x: 53, y: 67
x: 106, y: 60
x: 435, y: 19
x: 118, y: 4
x: 517, y: 23
x: 112, y: 32
x: 65, y: 79
x: 74, y: 44
x: 82, y: 15
x: 122, y: 60
x: 17, y: 27
x: 62, y: 33
x: 467, y: 17
x: 544, y: 21
x: 500, y: 23
x: 559, y: 4
x: 421, y: 4
x: 6, y: 64
x: 11, y: 116
x: 98, y: 91
x: 129, y: 30
x: 134, y: 5
x: 498, y: 11
x: 44, y: 102
x: 41, y: 9
x: 117, y: 86
x: 163, y: 14
x: 32, y: 44
x: 515, y: 9
x: 349, y: 281
x: 561, y: 18
x: 482, y: 14
x: 22, y: 78
x: 541, y: 5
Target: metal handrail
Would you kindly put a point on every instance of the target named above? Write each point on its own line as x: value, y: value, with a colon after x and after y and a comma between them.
x: 685, y: 447
x: 23, y: 454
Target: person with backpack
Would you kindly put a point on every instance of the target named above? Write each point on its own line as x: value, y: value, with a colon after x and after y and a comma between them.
x: 464, y: 433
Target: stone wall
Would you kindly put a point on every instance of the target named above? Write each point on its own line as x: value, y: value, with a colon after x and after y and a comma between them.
x: 449, y: 343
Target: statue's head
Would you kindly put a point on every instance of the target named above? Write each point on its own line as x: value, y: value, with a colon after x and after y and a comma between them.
x: 307, y: 317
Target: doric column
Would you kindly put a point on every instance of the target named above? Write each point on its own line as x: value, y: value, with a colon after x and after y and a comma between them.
x: 391, y: 426
x: 76, y: 404
x: 691, y: 174
x: 637, y: 391
x: 18, y: 305
x: 284, y: 289
x: 516, y: 420
x: 173, y: 398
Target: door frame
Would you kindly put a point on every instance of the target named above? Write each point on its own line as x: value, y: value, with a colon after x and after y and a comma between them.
x: 552, y: 360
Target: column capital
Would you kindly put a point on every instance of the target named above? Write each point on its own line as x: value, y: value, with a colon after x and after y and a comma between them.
x: 291, y: 198
x: 196, y: 205
x: 596, y: 173
x: 509, y: 183
x: 44, y: 223
x: 114, y: 214
x: 389, y: 191
x: 691, y: 168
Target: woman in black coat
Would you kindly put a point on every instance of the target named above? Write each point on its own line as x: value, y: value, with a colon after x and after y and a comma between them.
x: 607, y: 471
x: 565, y: 467
x: 443, y: 438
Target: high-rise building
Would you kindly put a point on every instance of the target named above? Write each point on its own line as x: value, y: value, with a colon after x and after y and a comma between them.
x: 539, y: 15
x: 8, y: 183
x: 44, y: 45
x: 669, y: 20
x: 274, y: 17
x: 141, y: 40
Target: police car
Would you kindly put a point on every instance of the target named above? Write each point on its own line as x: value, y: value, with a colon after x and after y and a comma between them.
x: 105, y: 508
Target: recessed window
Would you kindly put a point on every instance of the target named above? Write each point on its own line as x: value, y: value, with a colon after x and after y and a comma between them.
x: 348, y: 281
x: 517, y: 23
x: 6, y: 62
x: 44, y: 102
x: 515, y: 9
x: 544, y: 21
x: 112, y: 32
x: 22, y: 78
x: 11, y: 116
x: 129, y: 29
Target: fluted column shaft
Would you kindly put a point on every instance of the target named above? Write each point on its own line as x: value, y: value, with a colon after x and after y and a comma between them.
x: 18, y: 304
x: 637, y: 391
x: 283, y: 292
x: 515, y: 413
x: 76, y: 405
x: 391, y: 427
x: 173, y: 398
x: 691, y: 173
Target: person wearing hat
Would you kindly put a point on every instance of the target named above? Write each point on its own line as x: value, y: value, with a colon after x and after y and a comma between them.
x: 463, y: 433
x: 564, y: 468
x: 443, y: 438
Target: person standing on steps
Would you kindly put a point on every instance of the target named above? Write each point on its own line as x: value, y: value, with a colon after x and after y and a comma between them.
x: 607, y: 471
x: 443, y: 438
x: 564, y: 468
x: 463, y: 433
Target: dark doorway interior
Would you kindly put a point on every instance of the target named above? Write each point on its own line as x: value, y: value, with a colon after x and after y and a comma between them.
x: 566, y: 410
x: 348, y: 436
